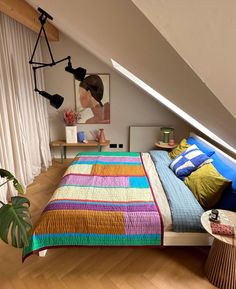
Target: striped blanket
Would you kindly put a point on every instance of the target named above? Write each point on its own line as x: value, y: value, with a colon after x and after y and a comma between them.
x: 104, y: 199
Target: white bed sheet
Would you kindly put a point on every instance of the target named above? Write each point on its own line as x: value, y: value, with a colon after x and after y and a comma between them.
x: 158, y: 191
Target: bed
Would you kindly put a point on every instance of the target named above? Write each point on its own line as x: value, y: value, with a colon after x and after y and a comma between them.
x: 121, y: 199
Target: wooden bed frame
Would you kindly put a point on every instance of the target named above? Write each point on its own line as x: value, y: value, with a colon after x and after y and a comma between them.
x: 188, y: 239
x: 176, y: 239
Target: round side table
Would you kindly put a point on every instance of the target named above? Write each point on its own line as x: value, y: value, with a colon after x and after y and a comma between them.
x: 165, y: 146
x: 220, y: 266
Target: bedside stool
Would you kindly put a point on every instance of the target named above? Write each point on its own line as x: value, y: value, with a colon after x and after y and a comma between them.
x: 220, y: 266
x: 165, y: 146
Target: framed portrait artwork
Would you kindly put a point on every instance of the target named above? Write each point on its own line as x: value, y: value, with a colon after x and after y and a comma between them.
x: 92, y: 98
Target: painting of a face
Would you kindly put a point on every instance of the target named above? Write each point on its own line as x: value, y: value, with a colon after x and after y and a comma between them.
x: 93, y: 100
x: 85, y: 97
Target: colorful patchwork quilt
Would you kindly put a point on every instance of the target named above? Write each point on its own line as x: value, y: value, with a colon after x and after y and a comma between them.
x: 104, y: 199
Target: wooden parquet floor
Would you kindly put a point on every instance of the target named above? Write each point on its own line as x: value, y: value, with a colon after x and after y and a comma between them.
x: 98, y: 268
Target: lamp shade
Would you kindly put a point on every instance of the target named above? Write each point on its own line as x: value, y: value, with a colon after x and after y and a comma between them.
x: 56, y: 100
x: 79, y: 72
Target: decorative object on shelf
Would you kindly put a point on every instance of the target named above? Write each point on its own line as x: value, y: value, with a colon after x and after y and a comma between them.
x: 81, y: 136
x: 79, y: 73
x: 71, y: 117
x: 95, y: 134
x: 167, y: 133
x: 92, y: 98
x: 71, y: 134
x: 101, y: 138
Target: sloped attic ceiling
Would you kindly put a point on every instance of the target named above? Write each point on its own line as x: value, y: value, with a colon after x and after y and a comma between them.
x: 118, y: 30
x: 204, y: 34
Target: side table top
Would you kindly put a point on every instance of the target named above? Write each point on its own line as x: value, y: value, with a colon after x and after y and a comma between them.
x: 226, y: 218
x: 165, y: 146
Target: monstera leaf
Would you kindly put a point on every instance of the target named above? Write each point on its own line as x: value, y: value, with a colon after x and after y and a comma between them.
x: 6, y: 174
x: 15, y: 222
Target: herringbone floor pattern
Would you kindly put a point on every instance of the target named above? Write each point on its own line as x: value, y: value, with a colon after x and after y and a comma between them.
x: 98, y: 268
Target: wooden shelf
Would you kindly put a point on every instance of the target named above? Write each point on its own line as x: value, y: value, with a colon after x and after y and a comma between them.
x: 62, y: 144
x: 90, y: 143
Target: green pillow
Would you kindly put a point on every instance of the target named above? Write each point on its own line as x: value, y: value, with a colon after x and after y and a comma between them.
x: 207, y: 185
x: 179, y: 149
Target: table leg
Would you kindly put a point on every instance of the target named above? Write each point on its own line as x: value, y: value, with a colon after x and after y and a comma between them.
x: 221, y: 265
x: 61, y: 148
x: 64, y: 152
x: 99, y: 148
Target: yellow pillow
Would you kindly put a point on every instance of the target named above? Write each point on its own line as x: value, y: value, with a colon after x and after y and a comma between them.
x: 179, y: 149
x: 207, y: 185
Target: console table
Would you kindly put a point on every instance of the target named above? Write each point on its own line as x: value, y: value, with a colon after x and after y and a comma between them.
x: 62, y: 144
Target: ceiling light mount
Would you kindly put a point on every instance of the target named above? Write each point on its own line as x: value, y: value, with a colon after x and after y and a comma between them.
x: 79, y: 73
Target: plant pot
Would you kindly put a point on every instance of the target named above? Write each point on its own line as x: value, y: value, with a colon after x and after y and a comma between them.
x: 71, y: 134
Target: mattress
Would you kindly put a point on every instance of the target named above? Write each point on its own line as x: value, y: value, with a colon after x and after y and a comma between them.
x: 185, y: 210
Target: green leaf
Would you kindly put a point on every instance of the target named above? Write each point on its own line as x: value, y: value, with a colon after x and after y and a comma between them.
x: 6, y: 174
x: 18, y: 187
x: 15, y: 222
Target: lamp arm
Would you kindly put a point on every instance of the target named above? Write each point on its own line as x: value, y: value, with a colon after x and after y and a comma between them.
x: 42, y: 18
x: 48, y: 45
x: 35, y: 78
x: 35, y: 81
x: 66, y: 58
x: 36, y: 44
x: 42, y: 64
x: 56, y: 100
x: 45, y: 65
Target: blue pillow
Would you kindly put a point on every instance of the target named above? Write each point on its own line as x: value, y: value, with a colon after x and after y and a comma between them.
x: 228, y: 200
x: 188, y: 161
x: 202, y: 146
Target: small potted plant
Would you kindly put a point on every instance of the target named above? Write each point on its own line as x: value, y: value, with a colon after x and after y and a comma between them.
x: 15, y: 221
x: 71, y: 118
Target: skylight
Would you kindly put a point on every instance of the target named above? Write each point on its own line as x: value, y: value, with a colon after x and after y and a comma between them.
x: 171, y: 105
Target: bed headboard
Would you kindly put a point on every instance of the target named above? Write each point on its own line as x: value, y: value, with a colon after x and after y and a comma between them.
x: 222, y: 155
x: 143, y: 138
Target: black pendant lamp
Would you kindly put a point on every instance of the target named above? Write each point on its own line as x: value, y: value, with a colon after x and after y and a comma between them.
x: 79, y: 73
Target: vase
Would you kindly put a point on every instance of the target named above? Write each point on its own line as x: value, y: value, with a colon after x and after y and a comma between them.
x: 101, y: 137
x: 80, y: 136
x: 71, y: 134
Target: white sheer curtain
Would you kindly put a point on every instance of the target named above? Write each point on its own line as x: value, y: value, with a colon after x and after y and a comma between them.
x: 24, y: 130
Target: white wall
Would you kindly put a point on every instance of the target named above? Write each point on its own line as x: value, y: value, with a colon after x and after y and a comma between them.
x: 118, y: 30
x: 129, y: 104
x: 209, y: 28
